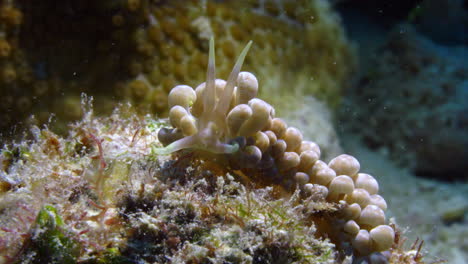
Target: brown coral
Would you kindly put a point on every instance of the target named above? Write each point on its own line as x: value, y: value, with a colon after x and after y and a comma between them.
x: 165, y: 42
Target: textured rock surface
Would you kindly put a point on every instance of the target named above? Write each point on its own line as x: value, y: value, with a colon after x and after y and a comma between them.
x: 413, y: 103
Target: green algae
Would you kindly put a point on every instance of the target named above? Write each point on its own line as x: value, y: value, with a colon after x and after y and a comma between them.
x: 49, y: 242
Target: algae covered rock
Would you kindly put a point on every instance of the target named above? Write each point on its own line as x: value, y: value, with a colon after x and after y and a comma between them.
x: 164, y: 210
x: 115, y: 201
x: 49, y: 241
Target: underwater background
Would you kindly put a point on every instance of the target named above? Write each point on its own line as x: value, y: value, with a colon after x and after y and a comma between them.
x: 85, y: 91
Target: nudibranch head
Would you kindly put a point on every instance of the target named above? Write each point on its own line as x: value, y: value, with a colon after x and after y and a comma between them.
x: 217, y: 111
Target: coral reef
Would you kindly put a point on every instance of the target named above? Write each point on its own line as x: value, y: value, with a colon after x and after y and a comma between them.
x: 416, y: 92
x: 103, y: 195
x: 41, y: 75
x: 141, y: 49
x: 11, y: 65
x: 177, y: 31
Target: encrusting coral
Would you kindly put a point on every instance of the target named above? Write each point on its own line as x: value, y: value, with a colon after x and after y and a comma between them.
x: 136, y: 51
x: 224, y: 117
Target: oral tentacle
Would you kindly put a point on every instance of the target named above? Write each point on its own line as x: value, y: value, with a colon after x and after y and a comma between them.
x: 209, y: 95
x: 183, y: 143
x: 225, y: 100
